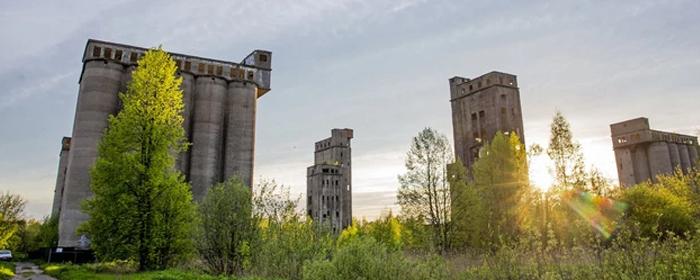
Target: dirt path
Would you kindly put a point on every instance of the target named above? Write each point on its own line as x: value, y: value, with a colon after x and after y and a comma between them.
x: 29, y: 271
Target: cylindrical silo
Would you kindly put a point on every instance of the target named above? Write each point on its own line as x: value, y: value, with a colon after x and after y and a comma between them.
x: 97, y: 99
x: 641, y: 164
x: 675, y: 155
x: 240, y: 131
x: 693, y: 154
x: 207, y: 134
x: 659, y: 159
x: 685, y: 157
x: 187, y: 86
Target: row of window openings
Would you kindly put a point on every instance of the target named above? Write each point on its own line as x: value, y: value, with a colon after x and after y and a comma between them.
x: 328, y: 183
x: 332, y: 171
x: 236, y: 73
x: 488, y: 83
x: 478, y: 122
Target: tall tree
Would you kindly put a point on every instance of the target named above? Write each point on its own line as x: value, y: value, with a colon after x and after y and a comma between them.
x: 569, y: 168
x: 424, y: 190
x: 142, y: 208
x: 467, y: 209
x: 11, y: 209
x: 501, y: 181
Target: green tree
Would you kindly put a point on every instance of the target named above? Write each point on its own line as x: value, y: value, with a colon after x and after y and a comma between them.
x: 11, y: 209
x: 48, y: 232
x: 227, y: 226
x: 467, y: 208
x: 424, y: 191
x: 142, y: 208
x: 501, y: 181
x: 569, y: 167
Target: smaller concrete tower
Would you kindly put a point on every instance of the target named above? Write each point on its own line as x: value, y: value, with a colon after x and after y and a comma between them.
x: 329, y: 181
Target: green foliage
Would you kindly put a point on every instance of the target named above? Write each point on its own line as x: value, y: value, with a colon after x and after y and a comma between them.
x: 11, y: 209
x: 424, y: 191
x: 7, y: 270
x: 569, y: 168
x: 387, y: 230
x: 664, y: 207
x: 26, y: 239
x: 47, y: 236
x: 365, y: 258
x: 491, y: 208
x: 125, y: 271
x: 142, y: 209
x: 285, y: 241
x: 227, y: 226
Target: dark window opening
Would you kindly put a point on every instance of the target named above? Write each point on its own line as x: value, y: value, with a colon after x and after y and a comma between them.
x: 219, y: 70
x: 251, y: 75
x: 471, y: 87
x: 178, y: 63
x: 133, y: 57
x: 188, y: 65
x: 200, y: 68
x: 263, y: 58
x: 482, y: 114
x: 108, y: 53
x: 96, y: 51
x: 473, y: 116
x: 118, y: 55
x: 210, y: 69
x: 337, y: 214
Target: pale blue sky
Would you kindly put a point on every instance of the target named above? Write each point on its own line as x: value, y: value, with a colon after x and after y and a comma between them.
x: 377, y: 66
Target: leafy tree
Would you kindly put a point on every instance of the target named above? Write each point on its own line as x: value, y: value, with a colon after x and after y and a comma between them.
x: 387, y: 230
x: 227, y: 227
x: 569, y: 168
x: 501, y: 180
x: 467, y: 208
x: 142, y: 208
x: 285, y: 241
x: 424, y: 192
x: 48, y: 232
x: 11, y: 209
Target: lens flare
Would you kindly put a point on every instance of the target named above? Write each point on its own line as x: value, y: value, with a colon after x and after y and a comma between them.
x: 601, y: 212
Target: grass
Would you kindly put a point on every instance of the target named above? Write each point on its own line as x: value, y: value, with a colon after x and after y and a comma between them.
x: 88, y: 272
x: 7, y: 270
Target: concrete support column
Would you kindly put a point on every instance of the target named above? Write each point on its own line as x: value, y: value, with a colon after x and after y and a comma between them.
x: 188, y: 89
x: 97, y: 99
x: 240, y: 131
x: 207, y: 132
x: 675, y: 155
x: 60, y: 176
x: 659, y: 159
x: 685, y: 157
x: 641, y: 164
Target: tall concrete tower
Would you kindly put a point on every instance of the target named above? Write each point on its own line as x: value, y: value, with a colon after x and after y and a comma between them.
x: 481, y: 107
x: 642, y: 154
x: 220, y: 100
x: 60, y: 176
x: 329, y: 181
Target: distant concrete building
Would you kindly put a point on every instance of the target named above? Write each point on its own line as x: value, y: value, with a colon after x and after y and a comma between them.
x: 329, y: 181
x: 220, y: 100
x: 642, y: 153
x: 481, y: 107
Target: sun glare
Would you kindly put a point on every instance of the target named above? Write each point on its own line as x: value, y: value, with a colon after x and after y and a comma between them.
x: 540, y: 176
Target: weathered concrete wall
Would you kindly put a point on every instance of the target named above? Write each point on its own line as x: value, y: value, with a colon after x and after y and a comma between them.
x: 659, y: 159
x: 240, y: 131
x: 625, y: 167
x: 641, y: 165
x: 693, y: 154
x: 675, y: 155
x: 97, y: 99
x: 188, y: 91
x: 60, y: 176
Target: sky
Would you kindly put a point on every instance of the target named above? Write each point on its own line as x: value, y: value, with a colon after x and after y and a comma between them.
x: 380, y: 67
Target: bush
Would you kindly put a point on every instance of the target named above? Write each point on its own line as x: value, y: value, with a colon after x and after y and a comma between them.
x: 7, y: 270
x: 656, y: 209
